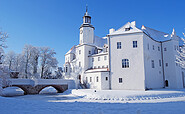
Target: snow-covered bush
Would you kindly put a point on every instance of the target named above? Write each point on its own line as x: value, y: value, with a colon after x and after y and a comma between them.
x: 4, y: 76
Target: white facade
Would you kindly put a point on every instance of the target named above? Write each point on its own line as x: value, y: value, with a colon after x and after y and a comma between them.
x: 128, y: 58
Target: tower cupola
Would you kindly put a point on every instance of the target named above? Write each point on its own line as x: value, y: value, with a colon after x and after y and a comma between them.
x: 87, y: 20
x: 87, y: 17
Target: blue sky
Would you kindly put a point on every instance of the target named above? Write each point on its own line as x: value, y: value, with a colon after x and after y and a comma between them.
x: 55, y: 23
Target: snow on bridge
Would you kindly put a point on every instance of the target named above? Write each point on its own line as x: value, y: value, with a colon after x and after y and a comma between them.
x: 34, y: 86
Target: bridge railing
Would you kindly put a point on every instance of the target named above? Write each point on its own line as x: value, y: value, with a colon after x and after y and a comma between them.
x: 71, y: 83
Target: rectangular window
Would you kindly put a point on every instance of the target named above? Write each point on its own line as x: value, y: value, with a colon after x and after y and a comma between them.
x: 165, y: 49
x: 92, y: 59
x: 153, y: 64
x: 105, y: 57
x: 89, y: 52
x: 66, y: 69
x: 90, y: 79
x: 125, y: 63
x: 166, y: 64
x: 118, y: 45
x: 120, y: 80
x: 98, y: 66
x: 97, y: 79
x: 98, y: 58
x: 127, y: 29
x: 106, y: 78
x: 79, y: 64
x: 79, y: 52
x: 134, y: 44
x: 158, y: 48
x: 175, y: 47
x: 159, y: 62
x: 153, y: 47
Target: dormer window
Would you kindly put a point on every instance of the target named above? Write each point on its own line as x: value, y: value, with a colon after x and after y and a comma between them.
x: 127, y: 29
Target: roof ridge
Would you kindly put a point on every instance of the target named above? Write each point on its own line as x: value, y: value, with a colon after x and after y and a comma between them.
x: 156, y: 30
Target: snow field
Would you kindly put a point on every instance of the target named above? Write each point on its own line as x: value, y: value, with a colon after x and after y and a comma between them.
x: 90, y: 102
x: 161, y: 95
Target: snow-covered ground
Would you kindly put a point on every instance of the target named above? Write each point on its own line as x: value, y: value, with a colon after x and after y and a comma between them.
x: 80, y: 101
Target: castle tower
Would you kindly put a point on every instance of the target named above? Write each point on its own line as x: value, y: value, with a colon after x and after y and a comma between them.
x: 84, y: 49
x: 86, y: 30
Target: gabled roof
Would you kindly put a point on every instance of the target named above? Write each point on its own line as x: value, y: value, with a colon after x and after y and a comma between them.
x: 72, y: 50
x: 122, y: 30
x: 156, y: 35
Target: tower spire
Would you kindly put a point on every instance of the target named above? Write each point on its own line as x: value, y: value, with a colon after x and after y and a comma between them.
x: 86, y: 7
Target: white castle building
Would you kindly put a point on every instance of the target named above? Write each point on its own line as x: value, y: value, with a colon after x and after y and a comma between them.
x: 126, y: 59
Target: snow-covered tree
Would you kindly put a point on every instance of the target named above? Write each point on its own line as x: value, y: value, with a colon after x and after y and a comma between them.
x: 48, y: 60
x: 18, y: 62
x: 180, y: 58
x: 27, y: 58
x: 59, y: 72
x: 10, y: 60
x: 3, y: 37
x: 35, y: 60
x: 3, y: 71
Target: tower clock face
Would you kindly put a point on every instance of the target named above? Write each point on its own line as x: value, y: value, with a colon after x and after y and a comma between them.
x: 81, y: 31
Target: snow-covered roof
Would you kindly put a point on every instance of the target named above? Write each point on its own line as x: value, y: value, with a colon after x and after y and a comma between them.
x: 156, y: 35
x: 123, y: 30
x: 72, y: 50
x: 97, y: 70
x: 99, y: 54
x: 99, y: 42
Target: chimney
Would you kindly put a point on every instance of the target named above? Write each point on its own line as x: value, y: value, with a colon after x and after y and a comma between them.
x: 111, y: 30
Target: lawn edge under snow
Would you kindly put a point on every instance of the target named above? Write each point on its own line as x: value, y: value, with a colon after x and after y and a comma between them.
x: 165, y: 95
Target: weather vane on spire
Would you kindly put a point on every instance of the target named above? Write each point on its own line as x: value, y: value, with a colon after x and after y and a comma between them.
x: 86, y: 7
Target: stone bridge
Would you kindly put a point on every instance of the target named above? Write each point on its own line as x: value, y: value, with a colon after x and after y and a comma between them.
x: 30, y: 86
